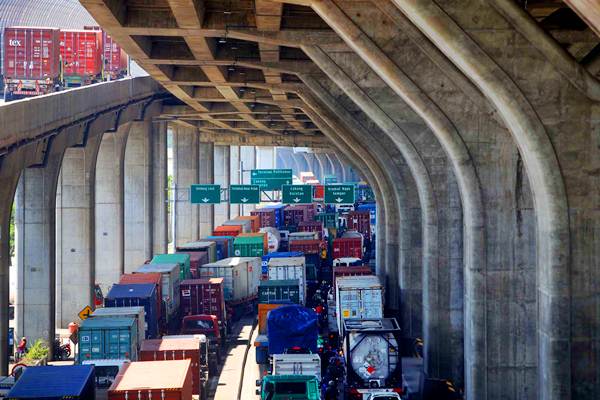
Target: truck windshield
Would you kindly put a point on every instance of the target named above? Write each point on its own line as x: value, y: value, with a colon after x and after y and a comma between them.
x: 290, y: 388
x: 198, y: 324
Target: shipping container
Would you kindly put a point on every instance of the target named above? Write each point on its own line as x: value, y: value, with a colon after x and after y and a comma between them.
x: 307, y: 246
x: 262, y: 341
x: 228, y: 230
x: 178, y: 258
x: 292, y: 215
x: 266, y: 217
x: 278, y: 254
x: 347, y: 262
x: 329, y: 220
x: 180, y: 349
x: 360, y: 221
x: 281, y: 269
x: 116, y: 62
x: 254, y: 221
x: 373, y: 356
x: 240, y: 277
x: 149, y: 277
x: 81, y: 56
x: 250, y: 245
x: 31, y: 61
x: 204, y: 245
x: 203, y: 297
x: 297, y: 364
x: 197, y: 258
x: 311, y: 226
x: 102, y: 338
x: 129, y: 312
x: 358, y: 297
x: 273, y: 238
x: 170, y: 286
x: 319, y: 192
x: 133, y: 295
x: 339, y: 271
x: 55, y: 382
x: 165, y: 380
x: 372, y: 209
x: 278, y: 213
x: 279, y: 292
x: 303, y: 236
x: 348, y: 247
x: 224, y: 246
x: 244, y: 223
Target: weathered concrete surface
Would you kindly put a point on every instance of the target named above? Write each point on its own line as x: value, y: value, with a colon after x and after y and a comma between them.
x: 206, y: 166
x: 185, y: 164
x: 234, y: 177
x: 159, y: 187
x: 222, y: 175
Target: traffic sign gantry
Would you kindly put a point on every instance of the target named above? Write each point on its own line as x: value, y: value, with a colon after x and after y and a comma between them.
x: 297, y: 194
x: 205, y: 194
x: 271, y: 179
x: 244, y: 194
x: 339, y: 194
x: 85, y: 313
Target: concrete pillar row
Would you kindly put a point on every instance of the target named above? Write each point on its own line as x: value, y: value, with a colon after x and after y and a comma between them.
x: 329, y: 162
x: 340, y: 169
x: 540, y: 160
x: 109, y: 207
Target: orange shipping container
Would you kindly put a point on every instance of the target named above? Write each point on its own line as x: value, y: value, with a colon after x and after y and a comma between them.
x: 263, y: 310
x: 227, y: 230
x: 145, y: 380
x: 264, y: 236
x: 255, y: 221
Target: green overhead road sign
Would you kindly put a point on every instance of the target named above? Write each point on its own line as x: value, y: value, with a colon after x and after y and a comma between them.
x: 297, y: 194
x: 339, y: 194
x: 244, y: 194
x: 271, y: 179
x: 205, y: 194
x: 329, y: 179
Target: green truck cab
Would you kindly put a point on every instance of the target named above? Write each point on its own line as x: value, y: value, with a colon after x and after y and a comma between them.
x: 288, y: 387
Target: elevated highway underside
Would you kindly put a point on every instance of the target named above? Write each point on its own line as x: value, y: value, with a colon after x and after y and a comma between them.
x: 476, y: 123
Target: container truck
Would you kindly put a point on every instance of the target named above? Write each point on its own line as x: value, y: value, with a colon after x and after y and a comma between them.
x: 182, y: 259
x: 262, y: 341
x: 106, y: 370
x: 245, y: 224
x: 153, y: 380
x: 287, y: 268
x: 297, y: 364
x: 129, y: 312
x: 254, y: 221
x: 55, y: 382
x: 170, y: 287
x: 278, y: 254
x: 81, y: 57
x: 360, y: 221
x: 197, y: 258
x: 204, y: 245
x: 250, y: 245
x: 312, y: 226
x: 292, y: 326
x: 288, y: 387
x: 292, y: 215
x: 224, y: 246
x: 133, y: 295
x: 116, y: 62
x: 373, y: 357
x: 108, y: 338
x: 348, y: 247
x: 177, y: 348
x: 31, y: 62
x: 149, y: 277
x: 270, y: 215
x: 358, y: 297
x: 279, y: 292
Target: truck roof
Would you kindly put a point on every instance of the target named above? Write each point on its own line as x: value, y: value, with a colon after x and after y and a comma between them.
x: 145, y: 375
x: 170, y: 343
x: 52, y: 382
x: 227, y: 262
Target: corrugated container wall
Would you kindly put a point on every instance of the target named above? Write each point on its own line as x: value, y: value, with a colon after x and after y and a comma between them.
x: 228, y: 230
x: 133, y: 295
x: 179, y: 258
x: 240, y: 276
x: 224, y: 246
x: 204, y: 245
x: 112, y: 338
x: 203, y: 296
x: 360, y: 221
x: 31, y: 53
x: 347, y: 247
x: 81, y: 53
x: 129, y: 312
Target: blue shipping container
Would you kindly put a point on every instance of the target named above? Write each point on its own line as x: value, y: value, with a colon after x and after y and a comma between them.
x: 372, y: 208
x: 55, y: 382
x: 278, y: 213
x: 131, y: 295
x: 292, y: 326
x: 108, y: 338
x: 277, y: 254
x: 224, y: 245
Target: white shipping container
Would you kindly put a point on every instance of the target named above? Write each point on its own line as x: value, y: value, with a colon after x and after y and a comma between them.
x: 284, y: 268
x: 303, y: 236
x: 170, y: 284
x: 245, y: 223
x: 134, y: 312
x: 358, y: 297
x: 240, y: 275
x: 273, y: 237
x: 297, y: 364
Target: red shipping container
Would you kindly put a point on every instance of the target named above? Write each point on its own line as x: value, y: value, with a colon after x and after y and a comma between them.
x: 255, y: 221
x: 175, y: 349
x: 360, y: 221
x: 31, y: 60
x: 307, y: 246
x: 116, y: 61
x: 197, y: 259
x: 81, y: 53
x: 349, y: 271
x: 319, y: 192
x: 347, y: 247
x: 227, y: 230
x: 311, y: 226
x: 146, y: 380
x: 266, y: 217
x: 293, y: 215
x: 152, y: 277
x: 203, y: 297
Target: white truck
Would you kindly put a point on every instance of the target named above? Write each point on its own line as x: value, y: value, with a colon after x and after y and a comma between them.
x: 297, y: 364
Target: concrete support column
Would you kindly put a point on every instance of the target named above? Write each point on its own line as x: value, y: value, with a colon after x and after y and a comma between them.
x: 248, y: 162
x: 222, y: 177
x: 185, y: 165
x: 265, y: 157
x: 338, y: 167
x: 36, y: 250
x: 109, y: 198
x: 234, y: 177
x: 158, y: 188
x: 206, y: 165
x: 138, y: 196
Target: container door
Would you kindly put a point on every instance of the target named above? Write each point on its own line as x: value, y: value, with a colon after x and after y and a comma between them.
x: 111, y: 341
x: 372, y: 304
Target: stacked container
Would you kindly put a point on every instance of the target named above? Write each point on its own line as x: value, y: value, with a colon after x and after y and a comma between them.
x: 224, y: 246
x: 289, y: 268
x: 250, y: 245
x: 209, y: 246
x: 254, y: 221
x: 108, y: 338
x: 127, y: 312
x: 228, y: 230
x: 244, y: 223
x: 348, y: 247
x: 150, y: 277
x: 134, y: 295
x: 311, y: 226
x: 170, y: 286
x: 203, y: 297
x: 240, y: 277
x: 360, y: 221
x: 179, y: 258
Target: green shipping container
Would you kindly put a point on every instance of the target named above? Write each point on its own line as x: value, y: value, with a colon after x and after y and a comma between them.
x: 329, y: 220
x: 248, y: 246
x: 113, y: 338
x: 279, y: 292
x: 180, y: 258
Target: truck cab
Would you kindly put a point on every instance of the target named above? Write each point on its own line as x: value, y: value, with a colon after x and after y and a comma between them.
x: 211, y: 327
x: 288, y: 387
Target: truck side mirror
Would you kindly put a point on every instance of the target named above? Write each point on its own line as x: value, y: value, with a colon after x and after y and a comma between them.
x: 258, y: 382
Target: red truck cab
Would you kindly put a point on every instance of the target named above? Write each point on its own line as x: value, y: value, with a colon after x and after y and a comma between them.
x: 211, y: 327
